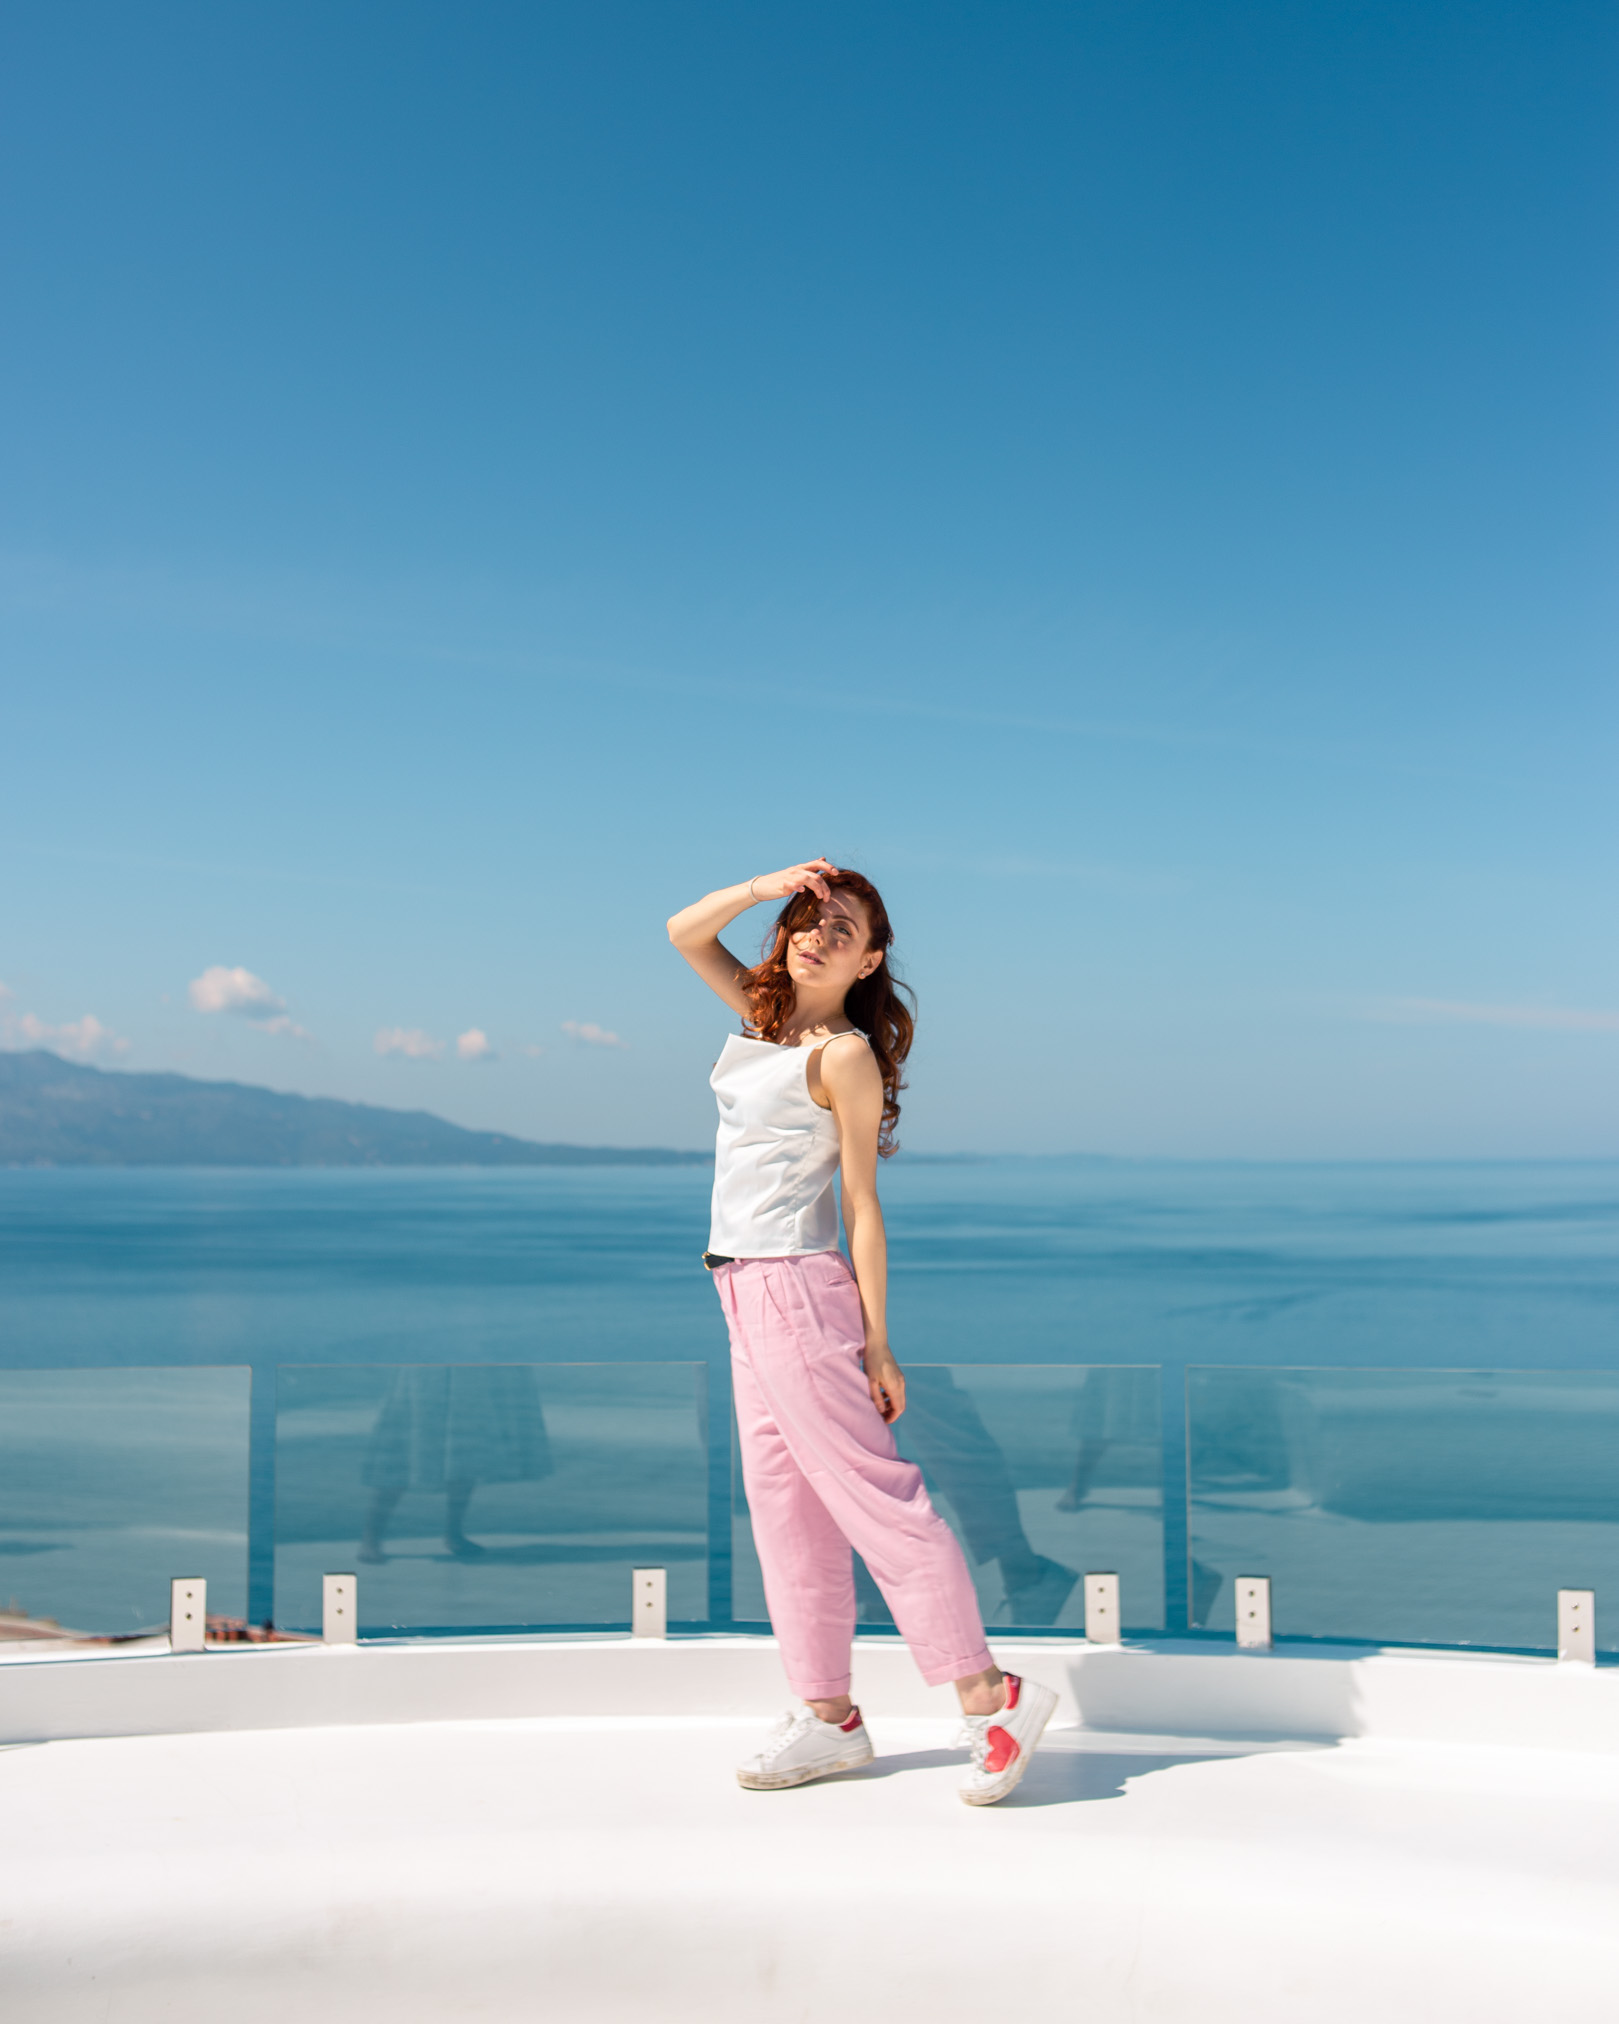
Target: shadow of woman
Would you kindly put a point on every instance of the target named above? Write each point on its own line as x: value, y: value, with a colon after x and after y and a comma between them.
x: 1056, y: 1777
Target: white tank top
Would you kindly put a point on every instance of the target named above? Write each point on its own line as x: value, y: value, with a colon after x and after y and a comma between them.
x: 775, y: 1156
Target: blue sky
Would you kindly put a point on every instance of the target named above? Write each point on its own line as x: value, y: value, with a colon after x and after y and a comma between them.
x: 1138, y: 479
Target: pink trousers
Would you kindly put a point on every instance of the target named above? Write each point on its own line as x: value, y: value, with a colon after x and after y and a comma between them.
x: 823, y: 1475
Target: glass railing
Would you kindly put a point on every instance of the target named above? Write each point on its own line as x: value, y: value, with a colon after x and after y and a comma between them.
x: 490, y: 1495
x: 113, y: 1482
x: 1398, y: 1506
x: 1404, y: 1506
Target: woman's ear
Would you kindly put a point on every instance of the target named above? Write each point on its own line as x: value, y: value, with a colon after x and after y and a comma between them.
x: 870, y: 965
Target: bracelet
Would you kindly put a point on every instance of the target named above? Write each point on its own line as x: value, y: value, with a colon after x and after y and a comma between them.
x: 752, y: 895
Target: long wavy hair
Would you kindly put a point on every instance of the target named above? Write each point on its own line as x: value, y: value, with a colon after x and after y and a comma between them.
x: 880, y: 1005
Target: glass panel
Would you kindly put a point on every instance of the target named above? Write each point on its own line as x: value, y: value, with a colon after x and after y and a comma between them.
x: 1045, y: 1471
x: 1424, y: 1507
x: 490, y: 1495
x: 114, y: 1481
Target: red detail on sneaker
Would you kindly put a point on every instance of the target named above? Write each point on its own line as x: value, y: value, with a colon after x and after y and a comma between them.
x: 1014, y: 1683
x: 852, y: 1723
x: 1002, y: 1750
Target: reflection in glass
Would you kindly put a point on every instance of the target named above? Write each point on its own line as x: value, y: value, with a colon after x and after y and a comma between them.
x: 943, y: 1432
x: 1001, y: 1447
x: 1116, y: 1407
x: 568, y: 1476
x: 112, y: 1482
x: 1424, y: 1507
x: 445, y: 1429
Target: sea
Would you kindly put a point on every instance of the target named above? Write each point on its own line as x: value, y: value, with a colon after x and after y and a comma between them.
x: 995, y: 1260
x: 239, y: 1369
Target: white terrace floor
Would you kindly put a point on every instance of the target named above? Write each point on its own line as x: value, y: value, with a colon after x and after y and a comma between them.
x: 387, y: 1834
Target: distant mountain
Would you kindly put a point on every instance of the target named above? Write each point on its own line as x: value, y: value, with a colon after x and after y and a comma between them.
x: 55, y: 1113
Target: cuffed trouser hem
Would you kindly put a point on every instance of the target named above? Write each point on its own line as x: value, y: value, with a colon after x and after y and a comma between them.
x: 950, y: 1669
x: 820, y: 1690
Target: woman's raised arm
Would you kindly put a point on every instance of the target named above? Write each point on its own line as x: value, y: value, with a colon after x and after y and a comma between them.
x: 695, y: 930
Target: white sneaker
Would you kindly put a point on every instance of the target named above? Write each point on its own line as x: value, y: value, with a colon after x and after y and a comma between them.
x: 1003, y: 1744
x: 803, y: 1747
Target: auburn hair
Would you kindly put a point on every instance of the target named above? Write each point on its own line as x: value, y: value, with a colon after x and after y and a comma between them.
x: 876, y: 1004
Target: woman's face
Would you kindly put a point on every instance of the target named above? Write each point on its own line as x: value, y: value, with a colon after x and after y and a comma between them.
x: 833, y: 951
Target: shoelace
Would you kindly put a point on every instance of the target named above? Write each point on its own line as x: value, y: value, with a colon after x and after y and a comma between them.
x: 973, y: 1735
x: 787, y: 1731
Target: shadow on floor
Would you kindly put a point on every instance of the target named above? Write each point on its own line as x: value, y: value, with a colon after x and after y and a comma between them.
x: 1056, y: 1777
x: 1070, y: 1777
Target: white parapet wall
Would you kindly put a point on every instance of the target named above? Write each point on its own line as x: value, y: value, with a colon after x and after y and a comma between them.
x: 1307, y: 1693
x: 535, y: 1829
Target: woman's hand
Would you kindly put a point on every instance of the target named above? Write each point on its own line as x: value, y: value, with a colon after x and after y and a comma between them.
x: 695, y: 930
x: 887, y: 1382
x: 776, y: 885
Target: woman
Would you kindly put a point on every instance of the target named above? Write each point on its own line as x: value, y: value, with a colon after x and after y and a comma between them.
x: 810, y: 1089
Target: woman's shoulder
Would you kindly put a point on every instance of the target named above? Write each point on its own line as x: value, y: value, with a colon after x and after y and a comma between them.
x: 843, y: 1063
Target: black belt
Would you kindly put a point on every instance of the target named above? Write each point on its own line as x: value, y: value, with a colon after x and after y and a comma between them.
x: 713, y: 1258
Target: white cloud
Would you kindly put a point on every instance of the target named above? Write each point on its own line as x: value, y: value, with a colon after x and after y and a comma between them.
x: 410, y: 1041
x: 244, y: 996
x: 6, y: 992
x: 591, y: 1034
x: 1453, y: 1012
x: 83, y: 1038
x: 473, y: 1045
x: 219, y: 989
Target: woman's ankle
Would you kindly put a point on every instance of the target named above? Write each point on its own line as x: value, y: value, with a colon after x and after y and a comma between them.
x: 982, y: 1693
x: 837, y: 1711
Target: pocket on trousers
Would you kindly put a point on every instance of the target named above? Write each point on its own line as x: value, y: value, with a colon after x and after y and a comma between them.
x: 830, y: 1269
x: 840, y: 1325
